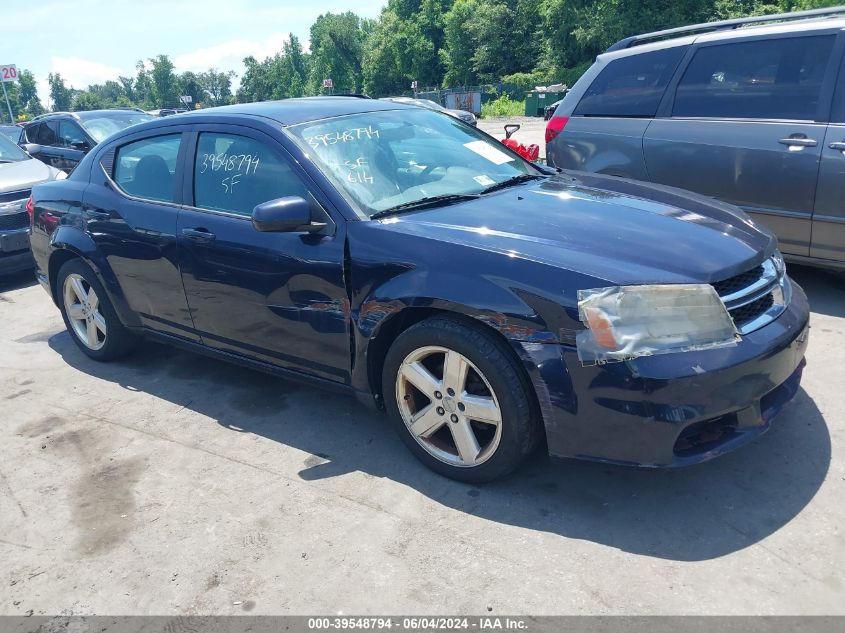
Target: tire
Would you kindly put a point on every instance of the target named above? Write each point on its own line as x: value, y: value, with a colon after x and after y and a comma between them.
x: 76, y: 280
x: 431, y: 414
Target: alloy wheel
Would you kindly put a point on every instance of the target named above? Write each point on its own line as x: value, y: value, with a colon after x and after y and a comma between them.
x: 82, y: 307
x: 448, y: 406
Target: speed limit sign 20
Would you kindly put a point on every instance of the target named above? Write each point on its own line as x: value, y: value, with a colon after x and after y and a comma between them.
x: 9, y: 73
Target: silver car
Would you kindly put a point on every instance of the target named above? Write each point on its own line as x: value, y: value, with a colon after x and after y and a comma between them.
x: 751, y: 111
x: 463, y: 115
x: 19, y: 172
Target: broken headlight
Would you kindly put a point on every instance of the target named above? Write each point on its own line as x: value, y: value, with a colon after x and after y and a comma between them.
x: 624, y: 322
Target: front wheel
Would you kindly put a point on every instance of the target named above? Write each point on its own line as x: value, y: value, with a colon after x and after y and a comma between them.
x: 459, y: 400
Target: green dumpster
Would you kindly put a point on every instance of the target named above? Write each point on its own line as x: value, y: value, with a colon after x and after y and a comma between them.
x: 536, y: 101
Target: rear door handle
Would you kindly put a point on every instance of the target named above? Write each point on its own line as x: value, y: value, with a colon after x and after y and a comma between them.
x: 798, y: 141
x: 200, y: 235
x: 839, y: 145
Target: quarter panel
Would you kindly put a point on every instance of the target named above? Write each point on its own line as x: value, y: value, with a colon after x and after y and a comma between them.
x: 607, y: 145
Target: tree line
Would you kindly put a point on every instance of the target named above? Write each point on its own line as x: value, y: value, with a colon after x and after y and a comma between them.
x: 437, y: 43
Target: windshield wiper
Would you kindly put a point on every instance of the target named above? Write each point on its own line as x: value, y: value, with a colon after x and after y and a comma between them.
x: 422, y: 203
x: 511, y: 182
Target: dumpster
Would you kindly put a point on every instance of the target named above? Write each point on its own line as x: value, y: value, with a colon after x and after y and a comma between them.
x: 536, y: 100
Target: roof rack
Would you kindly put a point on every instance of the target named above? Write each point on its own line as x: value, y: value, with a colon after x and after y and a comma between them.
x: 725, y: 25
x: 49, y: 114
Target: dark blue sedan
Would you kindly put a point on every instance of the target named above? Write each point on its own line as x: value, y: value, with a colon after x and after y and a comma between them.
x: 491, y: 306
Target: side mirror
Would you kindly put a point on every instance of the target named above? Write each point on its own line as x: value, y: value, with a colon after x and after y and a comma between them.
x: 285, y: 215
x: 33, y: 149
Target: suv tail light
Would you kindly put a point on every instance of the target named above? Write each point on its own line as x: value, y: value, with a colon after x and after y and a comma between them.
x: 555, y: 126
x: 30, y: 209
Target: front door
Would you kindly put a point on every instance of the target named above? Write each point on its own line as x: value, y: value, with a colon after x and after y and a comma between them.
x: 276, y: 297
x: 743, y: 128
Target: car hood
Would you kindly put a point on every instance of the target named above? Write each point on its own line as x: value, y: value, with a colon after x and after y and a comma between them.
x: 617, y: 230
x: 24, y: 174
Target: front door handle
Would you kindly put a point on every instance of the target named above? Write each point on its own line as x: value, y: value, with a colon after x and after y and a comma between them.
x: 839, y: 145
x: 798, y: 141
x: 200, y: 235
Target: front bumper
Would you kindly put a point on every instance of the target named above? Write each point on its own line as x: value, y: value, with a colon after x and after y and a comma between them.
x: 673, y: 409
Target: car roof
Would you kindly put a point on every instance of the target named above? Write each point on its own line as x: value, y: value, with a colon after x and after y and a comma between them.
x: 756, y: 30
x: 300, y: 110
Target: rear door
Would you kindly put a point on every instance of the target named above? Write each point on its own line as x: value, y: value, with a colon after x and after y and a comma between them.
x: 131, y: 210
x: 276, y: 297
x: 829, y: 218
x: 746, y: 125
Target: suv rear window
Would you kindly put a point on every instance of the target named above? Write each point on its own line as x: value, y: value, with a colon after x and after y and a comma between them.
x: 777, y: 78
x: 631, y: 86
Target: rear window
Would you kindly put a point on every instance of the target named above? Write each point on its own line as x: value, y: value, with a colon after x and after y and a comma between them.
x: 763, y: 79
x: 631, y: 86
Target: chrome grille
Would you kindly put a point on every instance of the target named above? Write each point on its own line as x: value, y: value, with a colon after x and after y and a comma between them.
x: 12, y: 221
x: 757, y: 296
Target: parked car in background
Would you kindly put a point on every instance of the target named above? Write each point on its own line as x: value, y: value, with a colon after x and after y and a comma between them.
x: 549, y: 110
x: 463, y: 115
x: 491, y: 305
x: 12, y: 132
x: 18, y: 173
x: 61, y: 139
x: 751, y: 111
x: 166, y: 112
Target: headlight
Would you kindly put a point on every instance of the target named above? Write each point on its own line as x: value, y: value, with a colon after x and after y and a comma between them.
x: 15, y: 206
x: 624, y: 322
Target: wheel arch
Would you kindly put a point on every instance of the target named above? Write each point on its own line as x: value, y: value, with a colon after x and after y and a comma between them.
x: 73, y: 244
x: 393, y: 326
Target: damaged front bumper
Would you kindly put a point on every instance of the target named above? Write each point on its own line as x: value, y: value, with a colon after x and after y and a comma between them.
x: 673, y: 409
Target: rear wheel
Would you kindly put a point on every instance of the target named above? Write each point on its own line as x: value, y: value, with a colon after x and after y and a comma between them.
x: 89, y: 315
x: 459, y: 401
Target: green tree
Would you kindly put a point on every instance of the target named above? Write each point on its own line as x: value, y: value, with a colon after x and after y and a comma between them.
x: 458, y: 46
x: 164, y: 85
x: 216, y: 86
x: 60, y: 94
x: 28, y: 100
x: 337, y: 50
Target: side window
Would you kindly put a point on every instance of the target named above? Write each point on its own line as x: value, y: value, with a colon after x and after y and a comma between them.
x: 43, y: 134
x: 236, y: 173
x: 70, y: 135
x: 631, y: 86
x: 31, y: 133
x: 147, y: 168
x: 778, y: 78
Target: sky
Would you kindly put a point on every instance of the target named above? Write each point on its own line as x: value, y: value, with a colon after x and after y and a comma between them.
x: 90, y: 41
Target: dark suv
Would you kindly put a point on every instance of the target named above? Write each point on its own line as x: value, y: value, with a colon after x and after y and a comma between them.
x: 61, y: 139
x: 751, y: 113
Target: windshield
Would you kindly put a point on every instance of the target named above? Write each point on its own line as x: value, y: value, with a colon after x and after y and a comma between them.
x: 9, y: 152
x: 386, y: 159
x: 104, y: 125
x: 11, y: 131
